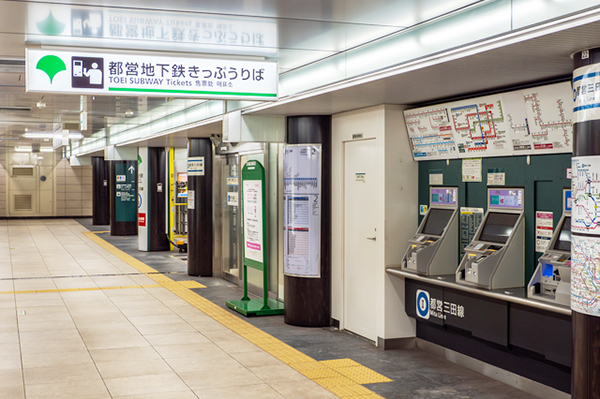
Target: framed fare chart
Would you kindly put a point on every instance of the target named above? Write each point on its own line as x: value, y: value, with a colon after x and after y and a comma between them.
x: 302, y: 210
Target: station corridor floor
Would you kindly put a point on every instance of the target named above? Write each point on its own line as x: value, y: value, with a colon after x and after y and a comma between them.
x: 81, y: 318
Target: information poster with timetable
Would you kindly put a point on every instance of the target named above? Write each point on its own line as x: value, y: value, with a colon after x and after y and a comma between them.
x: 253, y: 223
x: 302, y: 210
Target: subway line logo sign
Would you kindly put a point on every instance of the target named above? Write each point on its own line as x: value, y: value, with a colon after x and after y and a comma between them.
x: 423, y: 304
x: 119, y: 74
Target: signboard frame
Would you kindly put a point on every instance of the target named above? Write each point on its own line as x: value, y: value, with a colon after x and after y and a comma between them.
x: 253, y: 174
x: 310, y: 176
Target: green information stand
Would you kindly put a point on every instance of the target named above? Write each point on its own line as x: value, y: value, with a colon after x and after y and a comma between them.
x: 255, y: 241
x: 126, y: 198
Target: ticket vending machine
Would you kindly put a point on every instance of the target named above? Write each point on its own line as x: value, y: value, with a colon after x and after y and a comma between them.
x: 551, y: 280
x: 495, y: 257
x: 434, y: 248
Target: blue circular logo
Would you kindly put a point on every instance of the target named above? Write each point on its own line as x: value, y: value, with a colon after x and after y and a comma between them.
x: 423, y: 304
x: 139, y: 200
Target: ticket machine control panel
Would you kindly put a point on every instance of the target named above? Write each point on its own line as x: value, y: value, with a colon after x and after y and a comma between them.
x: 495, y: 257
x: 551, y: 281
x: 433, y: 250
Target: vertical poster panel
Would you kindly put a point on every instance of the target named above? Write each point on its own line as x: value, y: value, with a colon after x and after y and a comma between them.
x: 143, y: 215
x: 125, y: 201
x: 302, y: 210
x: 585, y: 278
x: 585, y: 189
x: 543, y: 230
x: 253, y: 222
x: 182, y: 185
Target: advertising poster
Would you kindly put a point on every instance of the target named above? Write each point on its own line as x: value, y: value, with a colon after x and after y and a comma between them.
x: 302, y: 210
x: 543, y: 230
x: 182, y: 185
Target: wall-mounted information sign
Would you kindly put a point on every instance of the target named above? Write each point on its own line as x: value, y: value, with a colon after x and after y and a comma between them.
x: 302, y: 210
x: 537, y: 120
x: 125, y: 193
x: 195, y: 166
x: 49, y: 71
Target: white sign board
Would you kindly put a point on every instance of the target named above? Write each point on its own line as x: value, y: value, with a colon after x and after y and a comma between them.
x: 302, y: 210
x: 191, y: 204
x: 50, y: 71
x: 586, y: 93
x: 195, y: 166
x: 232, y: 199
x: 253, y: 223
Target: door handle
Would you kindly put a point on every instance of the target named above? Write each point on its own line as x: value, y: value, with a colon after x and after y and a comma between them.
x: 372, y: 238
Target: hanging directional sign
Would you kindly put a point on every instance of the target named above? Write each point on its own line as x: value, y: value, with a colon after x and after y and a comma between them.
x: 118, y: 74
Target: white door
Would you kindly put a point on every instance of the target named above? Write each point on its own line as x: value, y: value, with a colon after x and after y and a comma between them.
x: 360, y: 237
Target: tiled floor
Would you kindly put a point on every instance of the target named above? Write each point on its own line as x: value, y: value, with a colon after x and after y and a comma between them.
x: 76, y: 321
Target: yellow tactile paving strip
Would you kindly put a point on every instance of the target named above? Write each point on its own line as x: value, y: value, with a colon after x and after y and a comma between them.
x: 338, y: 378
x: 356, y: 371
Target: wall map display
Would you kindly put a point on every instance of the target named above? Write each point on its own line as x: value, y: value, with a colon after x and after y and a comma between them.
x: 523, y: 122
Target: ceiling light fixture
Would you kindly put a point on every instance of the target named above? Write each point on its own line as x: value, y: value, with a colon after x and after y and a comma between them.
x: 40, y: 135
x: 29, y: 149
x: 41, y: 104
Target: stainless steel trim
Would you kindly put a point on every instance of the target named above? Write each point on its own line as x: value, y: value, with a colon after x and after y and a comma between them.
x: 395, y: 271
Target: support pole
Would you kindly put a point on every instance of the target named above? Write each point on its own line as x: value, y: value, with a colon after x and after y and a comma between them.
x: 200, y: 207
x: 585, y: 371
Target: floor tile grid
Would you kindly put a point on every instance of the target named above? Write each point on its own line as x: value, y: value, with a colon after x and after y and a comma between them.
x: 322, y: 374
x: 40, y: 381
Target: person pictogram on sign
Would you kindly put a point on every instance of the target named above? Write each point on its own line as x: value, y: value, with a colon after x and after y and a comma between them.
x: 94, y: 74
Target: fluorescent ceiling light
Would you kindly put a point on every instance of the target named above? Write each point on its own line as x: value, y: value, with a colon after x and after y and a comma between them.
x: 28, y: 149
x: 31, y: 135
x: 42, y: 135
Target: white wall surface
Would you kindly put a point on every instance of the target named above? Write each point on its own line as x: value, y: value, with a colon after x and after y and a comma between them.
x: 397, y: 204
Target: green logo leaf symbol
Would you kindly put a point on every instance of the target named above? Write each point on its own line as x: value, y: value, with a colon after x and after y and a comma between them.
x: 51, y: 26
x: 139, y: 159
x: 52, y: 65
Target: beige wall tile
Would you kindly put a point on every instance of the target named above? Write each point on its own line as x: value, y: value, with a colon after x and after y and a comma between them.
x: 73, y: 188
x: 73, y: 195
x: 73, y: 204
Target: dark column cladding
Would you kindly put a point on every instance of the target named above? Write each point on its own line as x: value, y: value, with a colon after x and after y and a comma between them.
x: 157, y: 196
x: 123, y: 209
x: 585, y: 372
x: 308, y: 300
x: 200, y: 218
x: 101, y: 192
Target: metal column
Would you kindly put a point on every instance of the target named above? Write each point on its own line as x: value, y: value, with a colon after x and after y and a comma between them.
x: 585, y: 372
x: 200, y: 210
